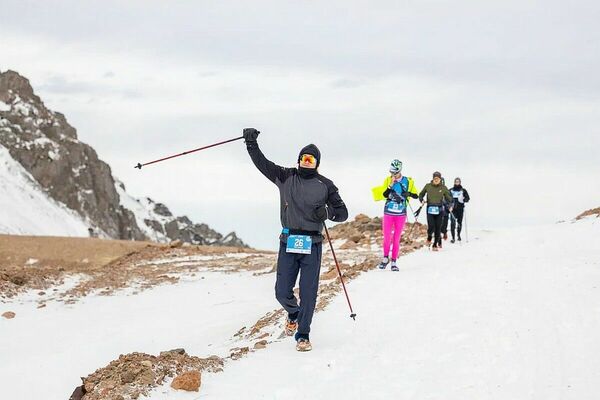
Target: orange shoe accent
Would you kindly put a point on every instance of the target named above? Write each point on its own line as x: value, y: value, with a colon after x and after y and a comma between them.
x: 291, y: 327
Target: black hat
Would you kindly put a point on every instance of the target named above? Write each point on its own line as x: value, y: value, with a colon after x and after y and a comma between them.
x: 313, y: 151
x: 437, y: 174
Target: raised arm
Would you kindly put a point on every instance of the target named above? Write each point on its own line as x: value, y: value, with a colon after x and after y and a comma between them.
x: 272, y: 171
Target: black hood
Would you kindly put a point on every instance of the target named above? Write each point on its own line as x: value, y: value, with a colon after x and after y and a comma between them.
x: 313, y: 151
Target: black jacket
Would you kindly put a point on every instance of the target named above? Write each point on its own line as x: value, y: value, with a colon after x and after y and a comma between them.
x: 300, y: 196
x: 460, y: 196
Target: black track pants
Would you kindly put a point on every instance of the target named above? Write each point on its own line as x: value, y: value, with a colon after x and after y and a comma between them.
x: 309, y: 267
x: 434, y: 228
x: 456, y: 224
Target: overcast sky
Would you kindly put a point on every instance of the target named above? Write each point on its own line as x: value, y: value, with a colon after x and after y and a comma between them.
x: 504, y: 94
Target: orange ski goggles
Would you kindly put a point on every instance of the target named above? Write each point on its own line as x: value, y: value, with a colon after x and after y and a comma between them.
x: 308, y: 159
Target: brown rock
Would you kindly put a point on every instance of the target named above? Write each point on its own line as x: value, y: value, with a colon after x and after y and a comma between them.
x: 188, y: 381
x: 9, y: 315
x: 128, y: 376
x: 172, y: 352
x: 260, y: 345
x: 356, y: 238
x: 362, y: 218
x: 78, y: 393
x: 331, y: 274
x: 146, y: 377
x: 176, y: 243
x: 18, y: 280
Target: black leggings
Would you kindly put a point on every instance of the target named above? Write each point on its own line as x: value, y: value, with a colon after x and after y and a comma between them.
x: 445, y: 221
x: 456, y: 223
x: 434, y: 227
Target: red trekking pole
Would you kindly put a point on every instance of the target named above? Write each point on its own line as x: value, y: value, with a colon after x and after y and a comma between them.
x: 337, y: 265
x: 139, y: 165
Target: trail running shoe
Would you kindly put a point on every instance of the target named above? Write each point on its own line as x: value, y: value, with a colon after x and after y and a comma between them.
x: 452, y: 241
x: 383, y: 263
x: 395, y: 267
x: 303, y: 345
x: 435, y: 248
x: 290, y: 327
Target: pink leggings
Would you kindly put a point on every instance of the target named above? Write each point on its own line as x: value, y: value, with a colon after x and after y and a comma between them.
x: 393, y: 223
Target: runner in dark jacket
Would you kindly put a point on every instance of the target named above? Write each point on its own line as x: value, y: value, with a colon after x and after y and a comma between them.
x: 307, y: 200
x: 460, y: 196
x: 436, y: 192
x: 445, y: 215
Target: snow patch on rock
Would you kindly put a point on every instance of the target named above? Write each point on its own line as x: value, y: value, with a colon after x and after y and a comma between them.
x: 26, y: 210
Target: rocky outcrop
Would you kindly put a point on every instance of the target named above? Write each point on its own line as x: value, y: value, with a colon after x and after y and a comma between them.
x: 365, y: 231
x: 134, y: 375
x: 594, y: 212
x: 70, y: 172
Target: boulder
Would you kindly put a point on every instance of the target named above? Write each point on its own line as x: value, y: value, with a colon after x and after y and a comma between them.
x: 260, y: 345
x: 188, y: 381
x: 9, y: 315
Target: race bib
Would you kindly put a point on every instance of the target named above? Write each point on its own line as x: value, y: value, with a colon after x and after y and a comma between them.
x: 299, y: 244
x: 396, y: 208
x: 458, y: 195
x: 433, y: 210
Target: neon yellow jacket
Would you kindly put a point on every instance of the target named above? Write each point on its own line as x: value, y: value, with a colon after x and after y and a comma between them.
x: 378, y: 190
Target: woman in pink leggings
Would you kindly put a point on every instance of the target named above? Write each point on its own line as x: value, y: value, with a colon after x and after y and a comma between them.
x: 396, y: 191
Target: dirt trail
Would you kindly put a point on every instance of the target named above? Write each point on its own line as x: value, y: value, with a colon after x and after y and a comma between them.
x: 103, y: 266
x: 64, y: 252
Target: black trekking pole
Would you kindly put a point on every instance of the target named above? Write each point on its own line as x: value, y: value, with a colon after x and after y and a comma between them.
x: 337, y: 265
x: 140, y: 165
x: 416, y: 215
x: 466, y: 226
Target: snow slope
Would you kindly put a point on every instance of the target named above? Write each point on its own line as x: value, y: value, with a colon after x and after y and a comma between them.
x: 26, y: 210
x: 58, y: 344
x: 513, y: 315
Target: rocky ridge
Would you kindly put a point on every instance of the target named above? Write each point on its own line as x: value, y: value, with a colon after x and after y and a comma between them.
x: 70, y: 172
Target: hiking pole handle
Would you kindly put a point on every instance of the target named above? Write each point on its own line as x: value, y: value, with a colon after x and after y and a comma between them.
x: 140, y: 165
x: 337, y: 265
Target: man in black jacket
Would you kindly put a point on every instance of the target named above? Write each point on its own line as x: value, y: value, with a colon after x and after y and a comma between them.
x: 460, y: 196
x: 307, y: 200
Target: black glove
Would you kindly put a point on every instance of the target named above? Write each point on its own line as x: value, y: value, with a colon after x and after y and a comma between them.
x: 321, y: 213
x: 406, y: 195
x: 250, y: 135
x: 396, y: 197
